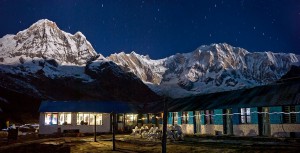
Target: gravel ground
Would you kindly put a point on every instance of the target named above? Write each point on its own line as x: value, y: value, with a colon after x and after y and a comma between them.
x: 129, y: 144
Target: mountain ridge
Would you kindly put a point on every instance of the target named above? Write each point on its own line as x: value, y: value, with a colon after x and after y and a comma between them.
x: 209, y: 68
x: 44, y: 49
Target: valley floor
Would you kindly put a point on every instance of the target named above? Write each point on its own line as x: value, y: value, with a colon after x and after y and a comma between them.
x: 130, y: 144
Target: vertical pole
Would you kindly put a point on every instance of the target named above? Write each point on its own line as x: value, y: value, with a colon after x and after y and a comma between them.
x: 114, y: 130
x: 165, y: 118
x: 124, y: 122
x: 95, y: 128
x: 148, y: 118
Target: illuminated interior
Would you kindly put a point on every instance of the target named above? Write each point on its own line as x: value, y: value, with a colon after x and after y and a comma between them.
x: 88, y: 118
x: 131, y: 119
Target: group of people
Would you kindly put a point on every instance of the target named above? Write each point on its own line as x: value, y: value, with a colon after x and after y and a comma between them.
x: 173, y: 132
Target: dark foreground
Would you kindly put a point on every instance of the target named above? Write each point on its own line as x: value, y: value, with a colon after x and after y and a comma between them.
x: 131, y: 144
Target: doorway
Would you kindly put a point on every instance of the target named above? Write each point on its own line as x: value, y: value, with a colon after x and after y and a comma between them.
x: 197, y: 122
x: 264, y: 121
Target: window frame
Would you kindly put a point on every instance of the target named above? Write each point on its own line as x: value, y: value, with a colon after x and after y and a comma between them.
x: 290, y: 118
x: 65, y: 114
x: 209, y: 118
x: 87, y: 118
x: 185, y: 118
x: 52, y: 114
x: 244, y: 114
x: 175, y: 117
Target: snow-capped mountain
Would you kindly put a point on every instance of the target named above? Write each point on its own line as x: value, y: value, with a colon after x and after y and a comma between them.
x: 45, y: 40
x: 47, y: 63
x: 44, y: 52
x: 218, y: 67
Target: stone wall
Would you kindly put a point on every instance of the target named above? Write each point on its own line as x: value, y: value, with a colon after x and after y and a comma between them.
x: 284, y: 130
x: 245, y: 130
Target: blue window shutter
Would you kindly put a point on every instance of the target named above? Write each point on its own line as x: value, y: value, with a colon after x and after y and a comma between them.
x: 191, y: 118
x: 297, y: 108
x: 218, y: 119
x: 170, y: 118
x: 202, y: 117
x: 254, y: 116
x: 179, y: 118
x: 275, y: 118
x: 235, y: 117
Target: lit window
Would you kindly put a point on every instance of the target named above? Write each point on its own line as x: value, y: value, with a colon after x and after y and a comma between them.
x: 245, y: 115
x: 89, y: 119
x: 131, y: 119
x: 50, y: 118
x: 185, y: 118
x: 175, y: 115
x: 289, y: 117
x: 64, y: 118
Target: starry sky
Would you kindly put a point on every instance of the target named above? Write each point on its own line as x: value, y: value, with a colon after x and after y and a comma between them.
x: 160, y: 28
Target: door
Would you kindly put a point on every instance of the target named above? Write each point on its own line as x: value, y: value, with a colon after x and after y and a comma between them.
x: 264, y: 122
x: 197, y: 122
x: 227, y: 122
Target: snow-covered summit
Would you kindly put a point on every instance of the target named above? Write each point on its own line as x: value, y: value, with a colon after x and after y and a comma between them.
x: 45, y: 40
x: 209, y: 68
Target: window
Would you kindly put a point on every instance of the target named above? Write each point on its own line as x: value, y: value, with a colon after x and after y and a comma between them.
x: 289, y: 117
x: 51, y: 118
x: 89, y: 119
x: 245, y: 115
x: 64, y: 118
x: 131, y: 119
x: 120, y: 118
x: 175, y: 117
x: 185, y: 118
x: 209, y: 119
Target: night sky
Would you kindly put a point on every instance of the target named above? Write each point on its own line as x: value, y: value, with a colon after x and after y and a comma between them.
x: 165, y: 27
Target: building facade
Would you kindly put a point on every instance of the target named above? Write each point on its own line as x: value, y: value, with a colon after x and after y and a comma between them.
x: 277, y: 121
x: 85, y: 116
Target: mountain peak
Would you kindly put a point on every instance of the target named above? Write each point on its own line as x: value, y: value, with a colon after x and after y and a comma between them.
x: 79, y: 34
x: 43, y: 23
x: 44, y: 39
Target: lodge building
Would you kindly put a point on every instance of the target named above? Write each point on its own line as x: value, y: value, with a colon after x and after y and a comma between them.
x: 270, y: 110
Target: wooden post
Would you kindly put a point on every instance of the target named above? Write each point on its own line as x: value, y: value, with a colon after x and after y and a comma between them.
x: 124, y: 123
x: 165, y: 120
x: 95, y: 129
x: 114, y: 130
x: 148, y: 118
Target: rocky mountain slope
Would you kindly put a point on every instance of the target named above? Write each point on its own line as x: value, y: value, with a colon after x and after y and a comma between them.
x: 46, y: 63
x: 213, y: 68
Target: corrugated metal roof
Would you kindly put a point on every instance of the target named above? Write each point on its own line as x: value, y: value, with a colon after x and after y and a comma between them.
x: 279, y: 94
x: 90, y: 106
